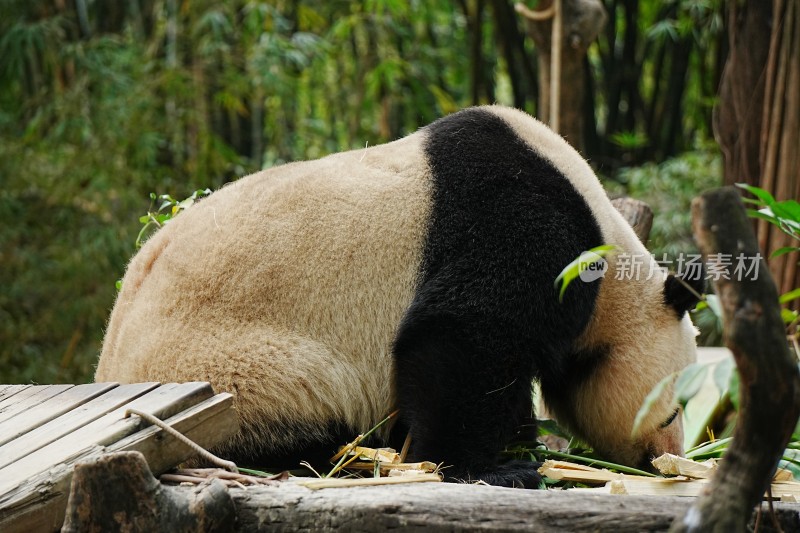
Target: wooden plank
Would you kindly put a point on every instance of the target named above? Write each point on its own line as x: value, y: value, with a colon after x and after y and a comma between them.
x: 38, y: 504
x: 208, y: 424
x: 162, y: 402
x: 39, y: 395
x: 77, y: 418
x: 48, y: 410
x: 10, y: 392
x: 21, y: 396
x: 7, y: 389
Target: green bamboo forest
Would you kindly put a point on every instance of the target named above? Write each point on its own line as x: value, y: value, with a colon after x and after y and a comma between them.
x: 104, y: 103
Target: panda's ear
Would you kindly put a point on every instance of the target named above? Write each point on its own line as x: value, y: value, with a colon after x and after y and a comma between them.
x: 681, y: 293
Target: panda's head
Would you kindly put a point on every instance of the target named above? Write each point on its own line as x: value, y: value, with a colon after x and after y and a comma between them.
x: 639, y: 330
x: 640, y: 333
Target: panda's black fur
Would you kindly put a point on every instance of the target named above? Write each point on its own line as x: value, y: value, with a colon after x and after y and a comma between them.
x: 486, y: 320
x: 481, y: 318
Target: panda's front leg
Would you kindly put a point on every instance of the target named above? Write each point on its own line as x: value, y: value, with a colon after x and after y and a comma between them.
x: 462, y: 400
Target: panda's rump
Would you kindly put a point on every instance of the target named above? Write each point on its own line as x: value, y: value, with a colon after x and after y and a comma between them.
x: 284, y: 288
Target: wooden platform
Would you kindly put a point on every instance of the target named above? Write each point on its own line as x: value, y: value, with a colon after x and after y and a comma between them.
x: 45, y: 430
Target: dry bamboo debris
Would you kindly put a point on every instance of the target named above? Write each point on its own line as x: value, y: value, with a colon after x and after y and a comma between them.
x: 786, y: 491
x: 691, y: 478
x: 386, y: 460
x: 230, y: 479
x: 674, y: 465
x: 330, y: 483
x: 564, y: 471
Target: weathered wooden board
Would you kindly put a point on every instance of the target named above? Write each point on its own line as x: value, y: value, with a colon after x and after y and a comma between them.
x: 14, y: 394
x: 162, y: 402
x: 85, y: 414
x: 35, y: 476
x: 6, y: 390
x: 35, y: 415
x: 163, y: 451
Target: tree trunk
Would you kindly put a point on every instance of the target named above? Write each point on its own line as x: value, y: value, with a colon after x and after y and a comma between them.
x: 117, y: 492
x: 780, y: 138
x: 582, y: 21
x: 769, y: 381
x: 473, y: 10
x: 738, y: 116
x: 511, y: 43
x: 757, y: 121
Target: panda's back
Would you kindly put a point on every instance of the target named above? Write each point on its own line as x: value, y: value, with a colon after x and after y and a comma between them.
x: 288, y: 287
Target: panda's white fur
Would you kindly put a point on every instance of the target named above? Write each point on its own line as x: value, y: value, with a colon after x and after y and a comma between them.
x: 287, y: 287
x: 310, y: 276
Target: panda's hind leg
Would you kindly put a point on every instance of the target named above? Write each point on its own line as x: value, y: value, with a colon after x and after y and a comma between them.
x: 295, y: 399
x: 462, y: 402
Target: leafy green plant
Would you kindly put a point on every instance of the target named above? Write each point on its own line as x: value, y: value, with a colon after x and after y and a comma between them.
x: 579, y: 265
x: 629, y: 140
x: 786, y: 216
x: 158, y: 217
x: 166, y: 211
x: 668, y: 188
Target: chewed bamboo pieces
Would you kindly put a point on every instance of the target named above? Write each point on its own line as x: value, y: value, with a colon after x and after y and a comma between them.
x: 690, y: 478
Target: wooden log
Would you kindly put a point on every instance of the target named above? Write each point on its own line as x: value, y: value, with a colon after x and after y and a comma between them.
x: 769, y: 380
x: 637, y: 213
x: 117, y: 492
x: 459, y: 507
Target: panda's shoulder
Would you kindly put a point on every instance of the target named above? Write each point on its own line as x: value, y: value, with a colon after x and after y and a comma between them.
x: 482, y: 121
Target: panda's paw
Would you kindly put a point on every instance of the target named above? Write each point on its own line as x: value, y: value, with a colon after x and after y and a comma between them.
x: 515, y: 474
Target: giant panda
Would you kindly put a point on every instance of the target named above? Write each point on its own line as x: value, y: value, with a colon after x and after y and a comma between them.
x: 416, y: 275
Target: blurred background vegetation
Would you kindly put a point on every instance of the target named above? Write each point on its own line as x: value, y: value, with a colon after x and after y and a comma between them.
x: 104, y: 102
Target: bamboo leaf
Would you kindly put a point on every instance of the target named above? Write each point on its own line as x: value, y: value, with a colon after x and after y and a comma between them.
x: 689, y: 382
x: 789, y: 296
x: 759, y: 193
x: 788, y: 316
x: 580, y: 264
x: 649, y: 402
x: 722, y: 374
x: 785, y: 250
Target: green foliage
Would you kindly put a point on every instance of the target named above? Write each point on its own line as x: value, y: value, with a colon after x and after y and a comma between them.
x: 173, y: 97
x: 580, y: 264
x: 169, y: 209
x: 668, y: 188
x: 629, y: 140
x: 786, y: 216
x: 177, y: 96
